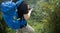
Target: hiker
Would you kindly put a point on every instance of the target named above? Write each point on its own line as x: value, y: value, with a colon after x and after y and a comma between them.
x: 24, y: 9
x: 16, y: 13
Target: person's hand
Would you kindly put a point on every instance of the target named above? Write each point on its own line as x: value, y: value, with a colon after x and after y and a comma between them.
x: 31, y: 10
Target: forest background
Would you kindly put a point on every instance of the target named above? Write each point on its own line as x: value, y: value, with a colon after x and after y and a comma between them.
x: 45, y: 17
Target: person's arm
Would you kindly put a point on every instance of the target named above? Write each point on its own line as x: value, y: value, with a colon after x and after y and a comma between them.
x: 26, y: 16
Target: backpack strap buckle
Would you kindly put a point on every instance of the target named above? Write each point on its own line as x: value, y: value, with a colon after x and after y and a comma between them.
x: 18, y: 18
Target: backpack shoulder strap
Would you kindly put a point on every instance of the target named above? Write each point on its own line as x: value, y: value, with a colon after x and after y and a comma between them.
x: 19, y: 2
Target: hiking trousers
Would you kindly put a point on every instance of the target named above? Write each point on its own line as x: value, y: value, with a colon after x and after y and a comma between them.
x: 27, y: 29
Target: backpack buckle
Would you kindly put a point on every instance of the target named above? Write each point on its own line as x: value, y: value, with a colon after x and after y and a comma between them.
x: 18, y: 18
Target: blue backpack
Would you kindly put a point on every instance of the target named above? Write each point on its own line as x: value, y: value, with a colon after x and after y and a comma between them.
x: 10, y: 15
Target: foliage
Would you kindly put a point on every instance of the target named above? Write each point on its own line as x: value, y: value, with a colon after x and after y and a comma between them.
x: 45, y: 17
